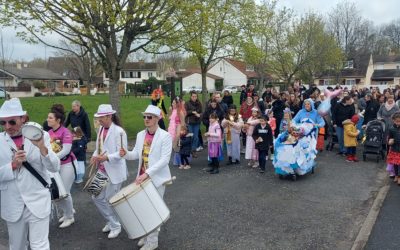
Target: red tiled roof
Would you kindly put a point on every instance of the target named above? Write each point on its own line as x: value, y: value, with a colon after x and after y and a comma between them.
x: 242, y: 67
x: 189, y: 72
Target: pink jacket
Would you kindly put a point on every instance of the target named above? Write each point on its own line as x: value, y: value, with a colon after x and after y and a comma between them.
x: 214, y: 132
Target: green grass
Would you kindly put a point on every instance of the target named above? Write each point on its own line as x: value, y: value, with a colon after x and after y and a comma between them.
x: 131, y: 108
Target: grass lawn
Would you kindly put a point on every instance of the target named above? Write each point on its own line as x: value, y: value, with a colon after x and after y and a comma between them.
x: 131, y: 108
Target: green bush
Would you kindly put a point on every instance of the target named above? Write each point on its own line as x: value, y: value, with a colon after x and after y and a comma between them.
x: 39, y: 84
x: 59, y: 94
x: 37, y: 94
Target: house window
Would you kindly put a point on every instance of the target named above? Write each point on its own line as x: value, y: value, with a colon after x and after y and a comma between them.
x: 349, y: 64
x: 249, y: 68
x: 327, y: 82
x: 150, y: 74
x: 350, y: 82
x: 130, y: 74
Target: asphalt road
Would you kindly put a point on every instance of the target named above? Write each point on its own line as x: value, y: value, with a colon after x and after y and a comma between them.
x: 385, y: 234
x: 243, y: 209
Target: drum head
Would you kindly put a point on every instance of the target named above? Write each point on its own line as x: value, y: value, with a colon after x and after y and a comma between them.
x: 32, y: 130
x: 129, y: 190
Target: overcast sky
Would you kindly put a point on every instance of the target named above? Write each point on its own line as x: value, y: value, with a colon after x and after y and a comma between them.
x: 378, y: 11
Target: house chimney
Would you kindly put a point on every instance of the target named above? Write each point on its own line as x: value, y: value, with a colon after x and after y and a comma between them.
x: 19, y: 66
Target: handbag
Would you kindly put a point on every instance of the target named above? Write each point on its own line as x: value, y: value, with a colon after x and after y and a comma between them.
x: 53, y: 188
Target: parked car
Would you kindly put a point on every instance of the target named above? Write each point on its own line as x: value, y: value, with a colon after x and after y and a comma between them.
x: 231, y: 89
x: 4, y: 93
x: 190, y: 89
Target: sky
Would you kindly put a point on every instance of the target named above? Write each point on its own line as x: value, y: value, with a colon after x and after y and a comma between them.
x: 378, y: 11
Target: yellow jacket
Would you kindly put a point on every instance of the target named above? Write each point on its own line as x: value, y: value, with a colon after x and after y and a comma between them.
x: 350, y: 133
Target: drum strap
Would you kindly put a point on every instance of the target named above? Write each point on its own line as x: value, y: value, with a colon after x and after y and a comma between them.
x: 28, y: 166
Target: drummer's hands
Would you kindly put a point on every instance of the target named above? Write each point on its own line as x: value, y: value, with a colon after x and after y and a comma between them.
x: 141, y: 178
x: 19, y: 158
x: 122, y: 152
x: 42, y: 147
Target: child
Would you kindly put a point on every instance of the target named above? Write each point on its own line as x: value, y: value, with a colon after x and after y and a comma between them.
x: 251, y: 151
x: 263, y: 136
x: 272, y: 124
x: 287, y: 119
x: 79, y: 143
x: 185, y: 144
x: 350, y: 137
x: 394, y: 143
x: 232, y: 125
x: 214, y: 135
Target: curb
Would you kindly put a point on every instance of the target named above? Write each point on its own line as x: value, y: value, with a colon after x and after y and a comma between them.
x: 366, y: 229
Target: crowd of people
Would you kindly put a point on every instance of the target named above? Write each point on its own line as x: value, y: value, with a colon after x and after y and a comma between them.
x: 288, y: 128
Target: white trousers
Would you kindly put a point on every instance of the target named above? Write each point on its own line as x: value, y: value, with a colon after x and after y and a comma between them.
x: 153, y: 236
x: 68, y: 176
x: 101, y: 202
x: 29, y: 226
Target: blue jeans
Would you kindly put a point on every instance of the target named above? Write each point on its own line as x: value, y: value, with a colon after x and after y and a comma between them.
x: 194, y: 128
x: 340, y: 136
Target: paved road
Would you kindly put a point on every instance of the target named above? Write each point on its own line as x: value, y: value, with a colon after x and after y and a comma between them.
x: 242, y: 209
x: 386, y: 233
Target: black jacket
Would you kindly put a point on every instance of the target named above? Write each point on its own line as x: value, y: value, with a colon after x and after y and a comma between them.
x: 81, y: 119
x: 394, y: 133
x: 265, y: 134
x: 371, y: 111
x: 206, y: 115
x: 191, y: 106
x: 185, y: 143
x: 342, y: 112
x: 79, y: 148
x: 228, y: 100
x: 243, y: 96
x: 277, y: 107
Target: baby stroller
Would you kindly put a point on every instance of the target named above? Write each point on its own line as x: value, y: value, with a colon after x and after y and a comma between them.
x: 374, y: 139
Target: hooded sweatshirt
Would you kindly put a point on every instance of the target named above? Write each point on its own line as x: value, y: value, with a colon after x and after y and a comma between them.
x: 81, y: 119
x: 312, y: 115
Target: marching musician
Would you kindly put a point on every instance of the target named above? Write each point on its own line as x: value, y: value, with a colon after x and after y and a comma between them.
x: 61, y: 143
x: 25, y: 202
x: 110, y: 138
x: 153, y: 150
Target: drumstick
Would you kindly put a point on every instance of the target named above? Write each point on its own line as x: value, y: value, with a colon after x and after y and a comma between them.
x: 122, y: 145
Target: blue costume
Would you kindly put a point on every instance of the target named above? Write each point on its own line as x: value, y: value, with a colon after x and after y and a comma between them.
x: 295, y: 153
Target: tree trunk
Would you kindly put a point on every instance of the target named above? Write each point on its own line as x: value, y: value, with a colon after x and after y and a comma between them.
x: 204, y: 95
x: 114, y: 91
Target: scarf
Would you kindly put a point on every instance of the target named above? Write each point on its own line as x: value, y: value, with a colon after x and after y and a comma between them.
x: 389, y: 106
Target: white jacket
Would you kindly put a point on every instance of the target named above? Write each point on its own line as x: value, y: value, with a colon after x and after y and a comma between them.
x: 20, y: 187
x: 115, y: 166
x: 159, y: 156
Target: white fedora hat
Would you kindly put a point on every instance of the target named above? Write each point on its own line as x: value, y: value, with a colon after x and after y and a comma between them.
x: 104, y: 109
x: 152, y: 110
x: 11, y: 108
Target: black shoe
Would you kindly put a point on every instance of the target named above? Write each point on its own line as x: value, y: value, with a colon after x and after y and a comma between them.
x: 262, y: 171
x: 229, y: 163
x: 209, y: 170
x: 215, y: 171
x: 340, y: 153
x: 237, y: 162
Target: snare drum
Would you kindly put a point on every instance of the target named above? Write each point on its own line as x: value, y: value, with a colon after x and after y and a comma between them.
x: 140, y: 209
x: 58, y: 192
x: 96, y: 183
x: 32, y: 130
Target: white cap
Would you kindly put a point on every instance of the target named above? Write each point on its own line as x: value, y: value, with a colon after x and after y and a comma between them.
x: 11, y: 108
x: 104, y: 109
x: 152, y: 110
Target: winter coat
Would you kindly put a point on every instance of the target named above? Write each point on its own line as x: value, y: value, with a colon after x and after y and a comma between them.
x: 243, y: 96
x: 185, y: 143
x: 371, y: 111
x: 81, y: 119
x: 277, y: 107
x: 214, y: 133
x: 394, y: 133
x: 245, y: 111
x: 266, y: 134
x: 386, y: 115
x: 79, y: 148
x: 206, y: 115
x: 191, y: 106
x: 342, y: 112
x: 350, y: 133
x: 228, y: 100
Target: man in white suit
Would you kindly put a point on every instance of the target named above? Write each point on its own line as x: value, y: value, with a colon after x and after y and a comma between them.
x: 25, y: 202
x: 108, y: 161
x: 153, y: 150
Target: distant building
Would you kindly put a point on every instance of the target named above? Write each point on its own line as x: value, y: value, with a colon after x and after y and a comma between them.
x: 192, y: 78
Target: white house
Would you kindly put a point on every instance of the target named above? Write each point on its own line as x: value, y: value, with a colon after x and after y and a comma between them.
x: 135, y: 72
x: 192, y: 78
x: 234, y: 72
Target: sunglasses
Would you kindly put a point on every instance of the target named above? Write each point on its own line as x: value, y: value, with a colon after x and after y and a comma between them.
x: 11, y: 122
x: 148, y: 117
